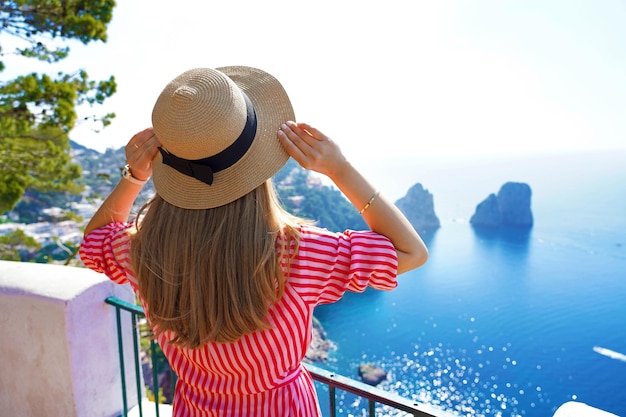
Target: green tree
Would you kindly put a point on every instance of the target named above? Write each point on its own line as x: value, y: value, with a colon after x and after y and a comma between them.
x: 37, y: 111
x: 16, y: 245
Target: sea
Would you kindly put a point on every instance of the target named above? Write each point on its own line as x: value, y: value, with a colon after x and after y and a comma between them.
x: 498, y: 322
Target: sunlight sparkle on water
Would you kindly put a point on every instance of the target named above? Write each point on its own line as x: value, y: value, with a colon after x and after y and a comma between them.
x: 446, y: 379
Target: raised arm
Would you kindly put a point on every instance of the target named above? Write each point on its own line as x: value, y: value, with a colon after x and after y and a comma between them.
x: 116, y: 207
x: 315, y: 151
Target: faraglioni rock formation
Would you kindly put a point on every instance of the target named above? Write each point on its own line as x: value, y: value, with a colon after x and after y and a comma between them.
x: 418, y: 207
x: 510, y: 207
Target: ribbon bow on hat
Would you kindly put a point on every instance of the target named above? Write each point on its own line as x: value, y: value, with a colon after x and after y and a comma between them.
x: 203, y: 169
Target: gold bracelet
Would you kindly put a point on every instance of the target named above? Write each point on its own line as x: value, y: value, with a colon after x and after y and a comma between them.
x: 369, y: 203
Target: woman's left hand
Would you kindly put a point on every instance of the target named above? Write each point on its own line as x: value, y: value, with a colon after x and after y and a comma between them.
x: 140, y: 151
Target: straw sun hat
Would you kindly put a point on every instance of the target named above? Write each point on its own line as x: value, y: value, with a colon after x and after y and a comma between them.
x: 218, y: 130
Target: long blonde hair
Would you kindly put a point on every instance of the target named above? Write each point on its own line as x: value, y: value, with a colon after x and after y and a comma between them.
x: 211, y: 275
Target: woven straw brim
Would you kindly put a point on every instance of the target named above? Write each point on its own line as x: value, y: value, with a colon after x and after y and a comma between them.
x: 265, y: 157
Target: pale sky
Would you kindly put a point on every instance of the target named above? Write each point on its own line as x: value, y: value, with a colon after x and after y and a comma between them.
x: 385, y: 79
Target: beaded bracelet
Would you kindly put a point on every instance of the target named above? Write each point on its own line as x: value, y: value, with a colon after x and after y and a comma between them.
x: 369, y: 203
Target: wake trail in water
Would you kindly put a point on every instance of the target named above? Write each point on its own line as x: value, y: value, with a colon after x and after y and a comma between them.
x: 610, y: 353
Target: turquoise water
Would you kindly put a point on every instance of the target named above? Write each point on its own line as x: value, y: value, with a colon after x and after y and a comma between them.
x: 508, y: 322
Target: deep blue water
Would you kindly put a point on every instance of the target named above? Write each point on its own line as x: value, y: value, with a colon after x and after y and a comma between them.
x: 508, y: 322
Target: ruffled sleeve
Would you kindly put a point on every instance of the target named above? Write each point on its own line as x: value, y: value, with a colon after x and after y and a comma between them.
x: 328, y: 264
x: 107, y: 250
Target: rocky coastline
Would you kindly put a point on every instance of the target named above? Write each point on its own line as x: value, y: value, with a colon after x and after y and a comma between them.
x: 320, y: 346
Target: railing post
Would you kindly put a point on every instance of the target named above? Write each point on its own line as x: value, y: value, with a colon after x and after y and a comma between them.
x: 137, y: 360
x: 120, y: 343
x: 134, y: 311
x: 372, y: 408
x: 332, y: 400
x: 155, y: 375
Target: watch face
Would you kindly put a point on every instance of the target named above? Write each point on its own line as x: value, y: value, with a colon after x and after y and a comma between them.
x: 126, y: 172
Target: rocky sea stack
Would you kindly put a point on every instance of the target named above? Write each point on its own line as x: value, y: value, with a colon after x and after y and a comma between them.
x: 418, y: 207
x: 510, y: 207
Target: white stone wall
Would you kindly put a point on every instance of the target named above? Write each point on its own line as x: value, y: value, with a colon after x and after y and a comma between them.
x: 59, y: 348
x: 578, y: 409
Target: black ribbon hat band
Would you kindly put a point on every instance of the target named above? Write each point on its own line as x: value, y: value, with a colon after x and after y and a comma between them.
x: 203, y: 169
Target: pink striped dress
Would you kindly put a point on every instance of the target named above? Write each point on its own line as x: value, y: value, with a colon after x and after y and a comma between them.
x: 261, y: 374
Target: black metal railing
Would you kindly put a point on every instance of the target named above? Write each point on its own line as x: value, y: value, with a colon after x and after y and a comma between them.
x: 334, y: 381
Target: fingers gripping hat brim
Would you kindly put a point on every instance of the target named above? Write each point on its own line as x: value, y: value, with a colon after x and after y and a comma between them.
x: 265, y: 157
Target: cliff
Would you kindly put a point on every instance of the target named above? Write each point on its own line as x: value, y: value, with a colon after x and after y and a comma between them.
x: 418, y: 207
x: 320, y: 346
x: 510, y: 207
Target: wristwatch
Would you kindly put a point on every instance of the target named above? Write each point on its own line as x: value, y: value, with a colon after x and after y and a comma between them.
x: 127, y: 175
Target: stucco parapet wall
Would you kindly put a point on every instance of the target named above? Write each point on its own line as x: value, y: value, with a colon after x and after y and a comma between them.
x: 56, y: 282
x: 59, y: 347
x: 578, y: 409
